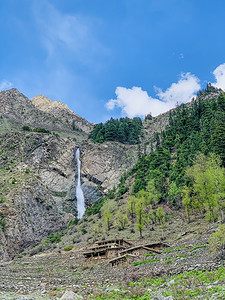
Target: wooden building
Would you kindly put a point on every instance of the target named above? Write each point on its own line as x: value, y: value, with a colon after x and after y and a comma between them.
x: 119, y: 250
x: 106, y: 249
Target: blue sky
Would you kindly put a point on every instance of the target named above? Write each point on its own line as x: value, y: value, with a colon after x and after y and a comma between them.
x: 112, y: 58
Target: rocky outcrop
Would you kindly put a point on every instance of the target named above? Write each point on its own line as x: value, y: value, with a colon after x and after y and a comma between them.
x: 17, y: 109
x: 150, y: 127
x: 105, y: 163
x: 60, y: 110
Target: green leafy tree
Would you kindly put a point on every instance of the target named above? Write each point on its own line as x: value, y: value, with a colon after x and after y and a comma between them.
x: 208, y: 184
x: 131, y: 206
x: 150, y: 217
x: 161, y: 217
x: 96, y: 231
x: 187, y: 201
x: 121, y: 220
x: 107, y: 213
x: 140, y: 212
x: 174, y: 194
x: 153, y: 194
x: 203, y: 185
x: 217, y: 240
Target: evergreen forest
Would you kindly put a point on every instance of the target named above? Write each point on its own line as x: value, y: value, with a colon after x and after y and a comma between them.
x: 187, y: 163
x: 124, y: 130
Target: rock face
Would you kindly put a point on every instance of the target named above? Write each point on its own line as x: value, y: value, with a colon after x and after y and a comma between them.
x: 105, y: 163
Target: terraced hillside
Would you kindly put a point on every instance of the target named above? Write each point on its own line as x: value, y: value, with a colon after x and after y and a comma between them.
x: 183, y: 271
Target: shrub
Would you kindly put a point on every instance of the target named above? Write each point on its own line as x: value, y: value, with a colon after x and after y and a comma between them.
x: 68, y: 248
x: 43, y: 130
x: 83, y: 230
x: 52, y: 238
x: 2, y: 199
x: 26, y: 128
x: 2, y: 221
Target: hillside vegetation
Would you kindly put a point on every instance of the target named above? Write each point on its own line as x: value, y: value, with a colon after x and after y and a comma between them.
x: 184, y: 170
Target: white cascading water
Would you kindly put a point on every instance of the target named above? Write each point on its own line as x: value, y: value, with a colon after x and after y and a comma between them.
x: 79, y: 192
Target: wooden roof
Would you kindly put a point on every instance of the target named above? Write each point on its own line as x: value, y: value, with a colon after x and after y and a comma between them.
x: 107, y: 246
x: 120, y: 257
x: 157, y: 244
x: 113, y: 240
x: 103, y: 249
x: 140, y: 246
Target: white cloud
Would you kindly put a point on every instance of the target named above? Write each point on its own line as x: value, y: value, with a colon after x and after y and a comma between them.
x: 136, y: 102
x: 219, y: 74
x: 182, y: 91
x: 5, y: 84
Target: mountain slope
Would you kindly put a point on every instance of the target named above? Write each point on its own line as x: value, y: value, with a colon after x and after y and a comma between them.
x: 38, y: 171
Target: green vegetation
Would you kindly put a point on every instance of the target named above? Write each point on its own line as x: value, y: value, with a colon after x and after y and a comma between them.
x: 95, y: 208
x: 136, y: 263
x: 38, y: 129
x: 26, y: 128
x: 168, y: 260
x: 73, y: 222
x: 121, y: 219
x: 124, y: 130
x: 42, y: 130
x: 52, y: 238
x: 68, y: 248
x: 187, y: 163
x: 175, y: 249
x: 187, y: 285
x: 2, y: 221
x: 107, y: 213
x: 27, y: 171
x: 217, y: 240
x: 2, y: 199
x: 207, y: 187
x: 197, y: 247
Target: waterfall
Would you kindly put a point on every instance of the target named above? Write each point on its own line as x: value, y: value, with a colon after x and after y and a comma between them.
x: 79, y: 192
